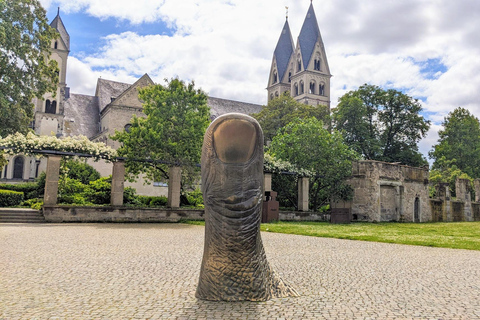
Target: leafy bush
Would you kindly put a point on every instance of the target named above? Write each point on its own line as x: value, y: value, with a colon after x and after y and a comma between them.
x: 80, y: 171
x: 192, y: 198
x: 35, y: 203
x: 130, y: 197
x: 20, y: 187
x: 10, y: 198
x: 153, y: 201
x: 98, y: 191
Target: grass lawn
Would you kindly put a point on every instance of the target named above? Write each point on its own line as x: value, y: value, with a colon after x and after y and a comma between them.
x: 457, y: 235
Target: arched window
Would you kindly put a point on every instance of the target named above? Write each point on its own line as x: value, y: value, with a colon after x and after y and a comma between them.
x: 276, y: 94
x: 18, y: 168
x: 316, y: 64
x: 312, y: 88
x: 302, y: 88
x: 275, y: 77
x: 51, y: 107
x: 271, y: 96
x: 296, y: 89
x: 290, y: 77
x: 55, y: 46
x: 321, y: 89
x: 299, y: 65
x: 127, y: 127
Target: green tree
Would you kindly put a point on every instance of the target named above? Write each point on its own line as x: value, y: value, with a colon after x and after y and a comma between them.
x: 383, y: 125
x: 308, y: 145
x: 25, y: 72
x: 459, y: 143
x: 177, y: 117
x: 79, y: 170
x: 282, y: 110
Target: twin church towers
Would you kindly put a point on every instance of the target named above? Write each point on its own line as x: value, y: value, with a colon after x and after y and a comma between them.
x: 301, y: 70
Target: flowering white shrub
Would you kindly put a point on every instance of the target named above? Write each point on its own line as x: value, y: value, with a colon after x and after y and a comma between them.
x: 29, y: 144
x: 274, y: 165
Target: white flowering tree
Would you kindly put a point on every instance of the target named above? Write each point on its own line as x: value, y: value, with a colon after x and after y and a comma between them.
x: 31, y: 144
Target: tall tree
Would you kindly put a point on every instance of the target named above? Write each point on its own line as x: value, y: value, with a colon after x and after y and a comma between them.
x: 177, y: 117
x: 459, y: 143
x: 284, y: 109
x: 383, y: 125
x: 308, y: 145
x: 25, y: 71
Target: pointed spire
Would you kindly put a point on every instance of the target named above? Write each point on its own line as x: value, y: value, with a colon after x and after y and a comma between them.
x: 57, y: 24
x: 283, y: 50
x: 309, y: 35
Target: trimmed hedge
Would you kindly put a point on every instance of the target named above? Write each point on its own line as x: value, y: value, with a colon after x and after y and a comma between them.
x: 153, y: 201
x: 30, y: 190
x: 10, y: 198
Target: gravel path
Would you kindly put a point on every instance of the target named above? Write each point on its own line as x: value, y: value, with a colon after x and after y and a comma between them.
x: 150, y: 271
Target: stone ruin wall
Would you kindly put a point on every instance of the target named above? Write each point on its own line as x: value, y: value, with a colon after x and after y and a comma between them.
x: 446, y: 209
x: 389, y: 192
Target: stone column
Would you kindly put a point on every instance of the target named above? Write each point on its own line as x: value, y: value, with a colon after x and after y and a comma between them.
x: 303, y: 194
x: 51, y: 180
x: 174, y: 184
x: 477, y: 190
x: 267, y: 183
x: 118, y: 181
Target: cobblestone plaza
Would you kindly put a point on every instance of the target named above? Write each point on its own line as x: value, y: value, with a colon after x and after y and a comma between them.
x: 150, y: 271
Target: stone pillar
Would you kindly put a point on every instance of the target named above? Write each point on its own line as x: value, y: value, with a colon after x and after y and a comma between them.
x: 51, y: 180
x: 174, y: 184
x: 303, y: 194
x: 462, y: 190
x: 118, y: 180
x: 477, y: 190
x: 267, y: 178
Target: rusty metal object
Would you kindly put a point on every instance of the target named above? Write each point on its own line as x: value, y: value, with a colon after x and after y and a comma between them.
x: 234, y: 266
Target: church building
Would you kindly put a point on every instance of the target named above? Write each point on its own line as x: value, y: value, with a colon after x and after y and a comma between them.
x: 301, y: 70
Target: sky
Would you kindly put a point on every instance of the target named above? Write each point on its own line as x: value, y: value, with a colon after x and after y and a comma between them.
x: 428, y: 49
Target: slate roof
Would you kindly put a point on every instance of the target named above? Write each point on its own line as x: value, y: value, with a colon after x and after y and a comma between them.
x: 57, y: 23
x: 108, y: 89
x: 221, y: 106
x: 284, y: 50
x: 309, y: 35
x: 81, y: 115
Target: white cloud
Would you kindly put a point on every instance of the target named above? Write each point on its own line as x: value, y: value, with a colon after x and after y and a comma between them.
x: 227, y: 46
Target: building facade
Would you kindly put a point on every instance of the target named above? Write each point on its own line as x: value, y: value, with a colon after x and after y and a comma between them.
x: 301, y: 70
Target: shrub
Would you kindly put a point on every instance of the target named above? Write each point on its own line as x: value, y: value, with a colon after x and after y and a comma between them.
x: 80, y: 171
x: 98, y: 191
x: 35, y: 203
x: 130, y: 197
x: 153, y: 201
x: 30, y: 189
x: 10, y: 198
x: 193, y: 198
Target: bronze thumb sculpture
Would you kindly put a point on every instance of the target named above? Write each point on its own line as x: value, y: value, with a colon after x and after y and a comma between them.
x: 234, y: 266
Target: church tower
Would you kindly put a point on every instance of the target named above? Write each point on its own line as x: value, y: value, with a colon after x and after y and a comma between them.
x: 280, y: 74
x: 49, y: 111
x: 307, y: 74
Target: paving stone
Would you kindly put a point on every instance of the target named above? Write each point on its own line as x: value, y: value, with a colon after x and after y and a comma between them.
x: 150, y: 271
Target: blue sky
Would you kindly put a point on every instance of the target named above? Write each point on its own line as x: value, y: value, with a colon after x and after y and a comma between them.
x: 427, y: 48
